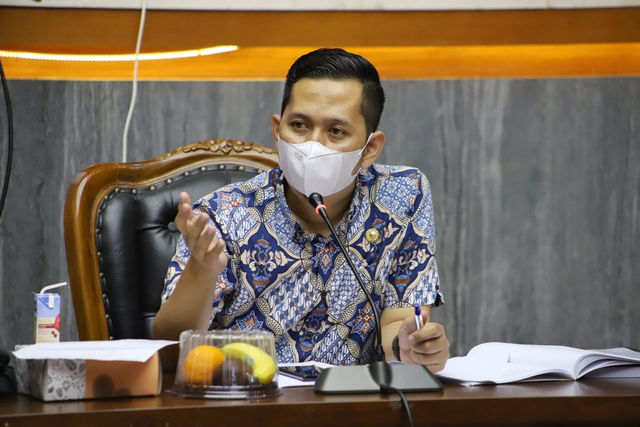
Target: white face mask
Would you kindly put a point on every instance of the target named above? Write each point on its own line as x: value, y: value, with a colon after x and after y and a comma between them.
x: 310, y: 167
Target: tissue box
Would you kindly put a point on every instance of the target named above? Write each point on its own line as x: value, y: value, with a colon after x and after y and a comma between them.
x: 89, y: 369
x: 69, y: 379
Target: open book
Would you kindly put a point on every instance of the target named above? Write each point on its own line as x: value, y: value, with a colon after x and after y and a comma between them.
x: 500, y: 363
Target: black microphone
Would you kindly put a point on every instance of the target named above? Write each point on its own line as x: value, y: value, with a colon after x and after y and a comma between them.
x: 379, y: 376
x: 316, y: 201
x: 379, y: 369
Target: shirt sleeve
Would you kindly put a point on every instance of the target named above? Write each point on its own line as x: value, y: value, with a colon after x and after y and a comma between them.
x: 414, y: 275
x: 226, y: 280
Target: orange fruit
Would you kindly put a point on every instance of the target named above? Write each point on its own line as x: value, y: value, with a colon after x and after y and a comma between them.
x: 201, y: 363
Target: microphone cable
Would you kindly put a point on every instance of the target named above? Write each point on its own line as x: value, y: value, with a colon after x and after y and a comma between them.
x: 403, y: 399
x: 315, y: 200
x: 7, y: 99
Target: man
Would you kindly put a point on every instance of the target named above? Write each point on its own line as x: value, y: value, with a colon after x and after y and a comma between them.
x: 255, y: 255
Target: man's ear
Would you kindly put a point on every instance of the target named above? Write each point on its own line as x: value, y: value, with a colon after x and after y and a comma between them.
x: 275, y: 129
x: 373, y: 149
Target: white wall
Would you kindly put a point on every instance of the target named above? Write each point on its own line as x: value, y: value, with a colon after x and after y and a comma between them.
x: 326, y: 4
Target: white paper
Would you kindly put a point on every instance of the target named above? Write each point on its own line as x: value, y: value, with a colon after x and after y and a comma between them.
x: 616, y: 372
x: 123, y: 350
x: 499, y: 363
x: 311, y: 363
x: 285, y: 381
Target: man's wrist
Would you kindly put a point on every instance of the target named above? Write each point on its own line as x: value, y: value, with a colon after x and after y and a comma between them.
x: 395, y: 348
x: 202, y: 273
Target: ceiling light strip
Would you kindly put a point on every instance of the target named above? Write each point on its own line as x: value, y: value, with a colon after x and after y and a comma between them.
x: 118, y: 57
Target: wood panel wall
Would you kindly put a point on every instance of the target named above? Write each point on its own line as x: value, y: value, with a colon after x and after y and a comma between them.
x: 403, y: 45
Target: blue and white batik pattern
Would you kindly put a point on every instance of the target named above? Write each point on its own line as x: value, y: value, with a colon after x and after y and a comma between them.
x: 297, y: 285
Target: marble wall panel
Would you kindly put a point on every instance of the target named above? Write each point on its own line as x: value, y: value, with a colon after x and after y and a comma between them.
x: 536, y: 189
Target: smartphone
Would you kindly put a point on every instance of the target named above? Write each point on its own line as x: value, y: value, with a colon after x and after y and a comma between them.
x: 304, y: 373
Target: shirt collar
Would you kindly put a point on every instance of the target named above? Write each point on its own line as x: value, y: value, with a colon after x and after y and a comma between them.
x: 360, y: 193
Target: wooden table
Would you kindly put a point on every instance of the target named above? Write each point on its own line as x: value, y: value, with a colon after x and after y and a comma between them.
x: 585, y: 402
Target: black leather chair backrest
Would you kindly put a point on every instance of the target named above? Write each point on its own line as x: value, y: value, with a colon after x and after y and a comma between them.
x: 135, y: 238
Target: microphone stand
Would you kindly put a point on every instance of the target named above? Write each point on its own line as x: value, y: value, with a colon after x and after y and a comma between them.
x: 379, y: 376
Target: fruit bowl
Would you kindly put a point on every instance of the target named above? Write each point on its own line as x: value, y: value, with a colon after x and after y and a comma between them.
x: 227, y: 365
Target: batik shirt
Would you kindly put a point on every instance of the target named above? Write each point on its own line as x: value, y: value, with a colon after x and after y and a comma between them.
x: 297, y: 285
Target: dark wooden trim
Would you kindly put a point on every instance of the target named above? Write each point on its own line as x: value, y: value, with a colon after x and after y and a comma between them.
x: 403, y: 45
x: 412, y: 63
x: 566, y: 403
x: 115, y: 31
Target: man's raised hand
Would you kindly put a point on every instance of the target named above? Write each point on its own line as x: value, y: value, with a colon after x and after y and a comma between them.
x: 206, y: 249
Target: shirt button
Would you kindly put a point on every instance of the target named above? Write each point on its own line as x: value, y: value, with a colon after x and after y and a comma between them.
x: 373, y: 235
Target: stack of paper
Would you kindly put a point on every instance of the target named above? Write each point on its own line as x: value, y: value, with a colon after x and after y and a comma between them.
x: 500, y: 363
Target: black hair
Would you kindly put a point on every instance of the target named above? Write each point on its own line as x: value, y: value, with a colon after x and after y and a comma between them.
x: 338, y: 64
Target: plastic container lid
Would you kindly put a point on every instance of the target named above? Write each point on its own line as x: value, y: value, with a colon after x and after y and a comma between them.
x: 227, y: 364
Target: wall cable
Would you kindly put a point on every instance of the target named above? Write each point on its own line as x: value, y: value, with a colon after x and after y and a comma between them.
x: 7, y: 99
x: 134, y: 91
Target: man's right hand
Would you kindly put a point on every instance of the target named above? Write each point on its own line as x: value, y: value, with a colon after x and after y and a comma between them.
x: 190, y: 304
x: 205, y: 247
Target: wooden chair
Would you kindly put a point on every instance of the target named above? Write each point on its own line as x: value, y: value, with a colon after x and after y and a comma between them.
x: 120, y: 234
